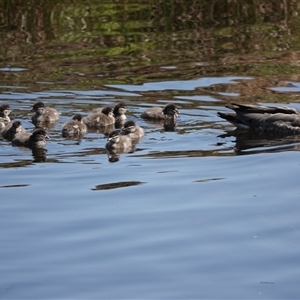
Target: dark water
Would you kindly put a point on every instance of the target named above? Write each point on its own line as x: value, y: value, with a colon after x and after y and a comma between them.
x: 201, y: 211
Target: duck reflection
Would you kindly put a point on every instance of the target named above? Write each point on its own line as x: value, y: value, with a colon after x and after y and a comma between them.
x: 39, y: 154
x: 246, y: 140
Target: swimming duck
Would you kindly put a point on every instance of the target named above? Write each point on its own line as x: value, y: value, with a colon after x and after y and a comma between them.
x: 132, y: 130
x: 36, y: 139
x: 119, y: 111
x: 103, y: 118
x: 118, y: 142
x: 169, y: 112
x: 43, y: 114
x: 273, y: 119
x: 11, y: 129
x: 74, y: 127
x: 4, y: 115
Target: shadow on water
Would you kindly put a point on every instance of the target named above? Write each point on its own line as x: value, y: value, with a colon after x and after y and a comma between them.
x: 251, y: 142
x: 116, y: 185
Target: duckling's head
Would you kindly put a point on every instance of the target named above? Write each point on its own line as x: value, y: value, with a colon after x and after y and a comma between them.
x: 120, y: 109
x: 114, y: 136
x: 170, y: 110
x: 77, y: 117
x: 38, y: 107
x: 16, y: 127
x: 129, y: 127
x: 40, y: 135
x: 108, y: 111
x: 5, y: 110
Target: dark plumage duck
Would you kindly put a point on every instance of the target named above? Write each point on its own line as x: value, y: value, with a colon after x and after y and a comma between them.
x: 132, y: 130
x: 274, y: 119
x: 169, y: 112
x: 36, y: 139
x: 98, y: 119
x: 74, y: 127
x: 12, y: 129
x: 43, y: 114
x: 119, y: 111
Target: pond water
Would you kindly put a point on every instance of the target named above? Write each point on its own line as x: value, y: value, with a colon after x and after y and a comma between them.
x: 200, y: 211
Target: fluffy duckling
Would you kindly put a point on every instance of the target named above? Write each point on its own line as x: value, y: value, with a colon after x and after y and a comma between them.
x: 118, y: 143
x: 74, y: 127
x: 132, y: 130
x: 12, y: 129
x: 43, y: 114
x: 4, y: 115
x: 119, y: 111
x: 169, y: 112
x: 36, y: 139
x: 103, y: 118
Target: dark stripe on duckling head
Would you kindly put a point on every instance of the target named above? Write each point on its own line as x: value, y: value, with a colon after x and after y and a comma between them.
x: 37, y: 105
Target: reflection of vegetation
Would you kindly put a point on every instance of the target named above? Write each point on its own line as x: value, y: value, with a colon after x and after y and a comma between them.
x: 92, y: 43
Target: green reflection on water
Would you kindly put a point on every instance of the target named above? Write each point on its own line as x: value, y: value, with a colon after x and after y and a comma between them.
x: 86, y: 45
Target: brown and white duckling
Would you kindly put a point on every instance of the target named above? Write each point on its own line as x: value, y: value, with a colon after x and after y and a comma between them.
x: 4, y: 115
x: 36, y: 139
x: 169, y: 112
x: 132, y: 130
x: 12, y: 129
x: 74, y: 127
x: 117, y: 142
x: 98, y: 119
x: 44, y: 114
x: 119, y: 111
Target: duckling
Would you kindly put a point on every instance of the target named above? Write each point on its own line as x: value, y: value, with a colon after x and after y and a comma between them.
x: 104, y: 118
x: 119, y: 111
x: 36, y: 139
x: 74, y: 127
x: 273, y: 119
x: 117, y: 142
x: 11, y: 129
x: 4, y: 115
x: 132, y: 130
x: 169, y: 112
x: 43, y: 114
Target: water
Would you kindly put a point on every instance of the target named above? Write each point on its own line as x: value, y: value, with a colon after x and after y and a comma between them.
x: 201, y: 211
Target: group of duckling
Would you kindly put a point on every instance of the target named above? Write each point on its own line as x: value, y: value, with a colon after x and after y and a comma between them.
x: 119, y: 140
x: 269, y: 119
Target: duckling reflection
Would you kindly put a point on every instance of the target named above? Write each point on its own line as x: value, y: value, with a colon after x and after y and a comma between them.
x: 246, y: 140
x: 117, y: 144
x: 39, y: 154
x: 43, y: 115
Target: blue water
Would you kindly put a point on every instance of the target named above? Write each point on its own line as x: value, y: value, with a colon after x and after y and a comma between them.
x: 184, y: 216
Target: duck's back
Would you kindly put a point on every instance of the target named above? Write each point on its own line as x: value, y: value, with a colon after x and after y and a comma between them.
x: 276, y: 119
x: 21, y: 139
x: 154, y: 113
x: 98, y: 119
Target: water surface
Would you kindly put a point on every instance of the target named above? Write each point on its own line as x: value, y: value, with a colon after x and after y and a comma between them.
x: 200, y: 211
